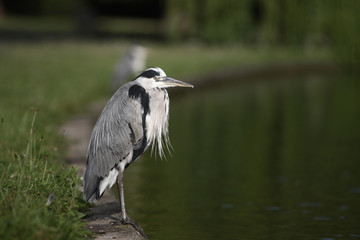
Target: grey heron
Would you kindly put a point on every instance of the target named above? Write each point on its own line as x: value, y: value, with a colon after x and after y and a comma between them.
x: 135, y: 117
x: 129, y: 65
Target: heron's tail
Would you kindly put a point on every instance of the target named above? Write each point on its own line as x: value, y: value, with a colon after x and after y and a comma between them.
x: 91, y: 186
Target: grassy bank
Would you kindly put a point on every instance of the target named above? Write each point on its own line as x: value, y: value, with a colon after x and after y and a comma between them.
x: 42, y: 85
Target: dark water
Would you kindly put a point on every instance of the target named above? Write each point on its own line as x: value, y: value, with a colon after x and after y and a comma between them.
x: 275, y: 159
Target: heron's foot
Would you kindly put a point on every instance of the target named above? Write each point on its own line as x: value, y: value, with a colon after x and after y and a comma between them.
x: 129, y: 221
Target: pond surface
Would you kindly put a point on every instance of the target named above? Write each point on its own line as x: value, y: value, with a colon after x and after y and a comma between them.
x: 275, y: 159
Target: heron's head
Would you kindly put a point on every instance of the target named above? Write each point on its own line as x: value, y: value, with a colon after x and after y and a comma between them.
x: 156, y: 78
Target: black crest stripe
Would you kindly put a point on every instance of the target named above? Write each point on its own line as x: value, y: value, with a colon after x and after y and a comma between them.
x: 149, y: 74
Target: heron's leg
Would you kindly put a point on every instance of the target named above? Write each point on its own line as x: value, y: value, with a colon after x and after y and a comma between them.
x: 124, y: 218
x: 120, y: 185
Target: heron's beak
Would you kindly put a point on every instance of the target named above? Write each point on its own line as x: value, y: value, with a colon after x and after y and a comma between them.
x: 170, y: 82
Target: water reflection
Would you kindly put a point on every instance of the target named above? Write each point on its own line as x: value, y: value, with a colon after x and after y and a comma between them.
x: 269, y: 160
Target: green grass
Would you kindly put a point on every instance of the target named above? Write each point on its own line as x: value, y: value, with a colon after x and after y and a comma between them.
x: 42, y: 85
x: 58, y: 81
x: 28, y: 178
x: 194, y: 59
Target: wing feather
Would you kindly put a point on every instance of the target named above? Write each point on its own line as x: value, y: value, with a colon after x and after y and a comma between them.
x: 114, y: 136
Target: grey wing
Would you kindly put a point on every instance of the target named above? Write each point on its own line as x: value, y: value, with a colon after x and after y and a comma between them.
x: 118, y: 130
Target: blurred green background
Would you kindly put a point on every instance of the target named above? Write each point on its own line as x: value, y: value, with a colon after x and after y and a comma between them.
x: 266, y: 146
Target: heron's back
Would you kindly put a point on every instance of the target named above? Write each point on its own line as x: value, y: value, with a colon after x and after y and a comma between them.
x: 115, y: 135
x: 131, y: 120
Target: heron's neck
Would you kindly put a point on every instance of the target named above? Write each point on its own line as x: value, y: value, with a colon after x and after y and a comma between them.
x: 158, y: 119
